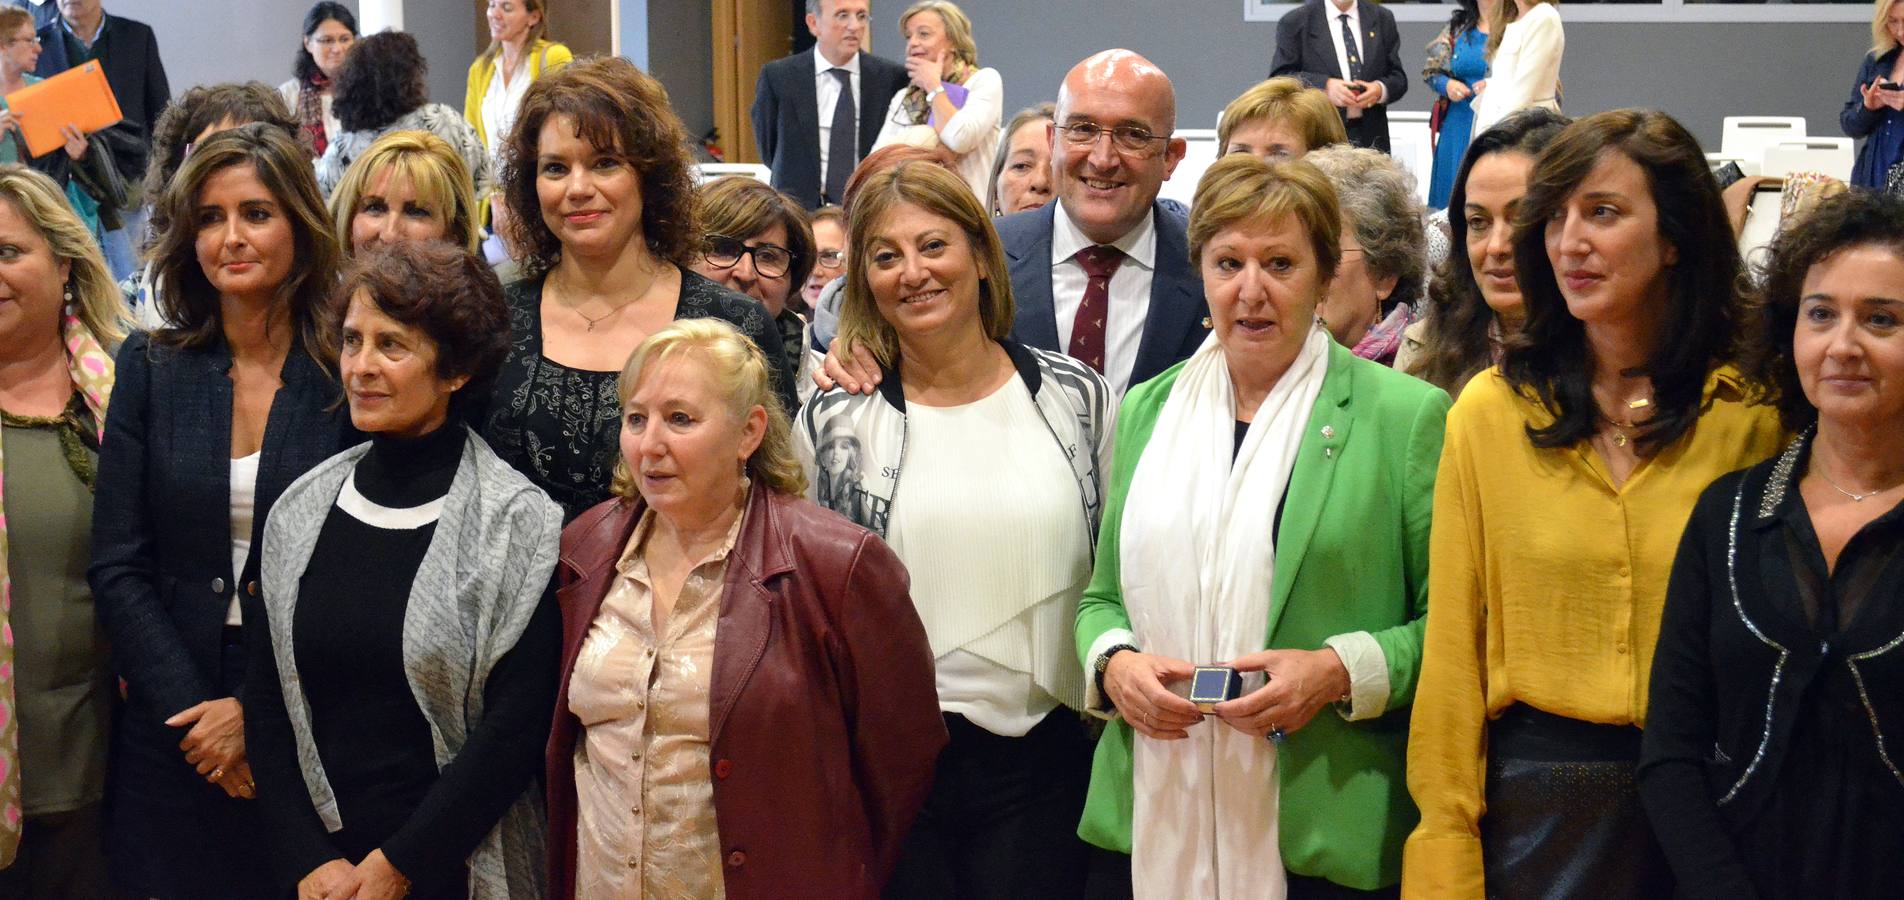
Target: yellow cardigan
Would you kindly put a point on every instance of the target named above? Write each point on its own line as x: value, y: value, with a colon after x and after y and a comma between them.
x: 545, y: 56
x: 1546, y: 589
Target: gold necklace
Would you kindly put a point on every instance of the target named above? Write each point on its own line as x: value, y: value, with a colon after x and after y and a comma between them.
x: 1620, y: 438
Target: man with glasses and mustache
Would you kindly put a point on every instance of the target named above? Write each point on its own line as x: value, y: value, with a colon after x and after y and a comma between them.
x: 816, y: 113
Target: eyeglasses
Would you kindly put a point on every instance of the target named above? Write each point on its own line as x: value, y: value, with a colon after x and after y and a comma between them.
x: 1128, y: 139
x: 770, y: 260
x: 832, y: 259
x: 842, y: 17
x: 33, y: 39
x: 329, y: 42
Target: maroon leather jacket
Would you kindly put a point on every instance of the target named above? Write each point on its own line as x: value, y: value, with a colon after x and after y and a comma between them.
x: 825, y: 723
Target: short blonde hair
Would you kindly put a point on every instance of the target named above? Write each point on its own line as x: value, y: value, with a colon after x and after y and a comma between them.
x: 740, y: 371
x: 97, y: 300
x: 1241, y: 189
x: 435, y: 171
x: 958, y: 28
x: 941, y: 193
x: 1308, y: 110
x: 1881, y: 40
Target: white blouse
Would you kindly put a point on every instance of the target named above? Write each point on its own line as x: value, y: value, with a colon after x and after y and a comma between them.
x: 1525, y: 70
x: 971, y: 134
x: 244, y: 506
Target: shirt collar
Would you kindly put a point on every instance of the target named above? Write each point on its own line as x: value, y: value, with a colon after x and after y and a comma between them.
x: 821, y: 66
x: 1354, y: 12
x: 634, y: 563
x: 103, y: 19
x: 1139, y: 244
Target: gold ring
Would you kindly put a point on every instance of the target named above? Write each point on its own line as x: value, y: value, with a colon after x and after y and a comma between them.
x: 218, y: 773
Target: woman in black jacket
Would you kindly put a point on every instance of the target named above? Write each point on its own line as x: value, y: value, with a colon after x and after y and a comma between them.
x: 1776, y: 723
x: 211, y: 420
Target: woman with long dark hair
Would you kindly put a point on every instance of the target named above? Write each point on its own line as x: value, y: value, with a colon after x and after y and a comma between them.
x: 1566, y: 477
x: 329, y: 30
x: 1474, y: 297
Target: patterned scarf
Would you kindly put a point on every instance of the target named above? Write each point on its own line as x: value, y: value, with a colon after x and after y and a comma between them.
x: 1385, y: 337
x: 917, y: 109
x: 311, y: 112
x: 91, y: 368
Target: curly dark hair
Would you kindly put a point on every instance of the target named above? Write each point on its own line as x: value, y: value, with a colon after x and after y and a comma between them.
x: 186, y: 297
x: 305, y: 66
x: 1455, y: 341
x: 382, y: 80
x: 621, y: 111
x: 184, y: 119
x: 1850, y: 220
x: 448, y: 293
x: 1701, y: 326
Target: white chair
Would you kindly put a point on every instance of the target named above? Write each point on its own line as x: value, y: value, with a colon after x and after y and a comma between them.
x: 1748, y: 137
x: 1202, y: 151
x: 1826, y: 155
x: 706, y: 172
x: 1411, y: 144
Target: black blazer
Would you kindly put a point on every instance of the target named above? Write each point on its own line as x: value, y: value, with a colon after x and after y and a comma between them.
x: 1174, y: 324
x: 129, y: 53
x: 1734, y: 670
x: 1304, y: 50
x: 161, y: 568
x: 786, y: 118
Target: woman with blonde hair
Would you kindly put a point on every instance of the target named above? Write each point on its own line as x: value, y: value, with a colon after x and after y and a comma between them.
x: 1279, y: 119
x: 1002, y: 449
x: 410, y: 185
x: 745, y: 697
x: 1524, y: 46
x: 56, y: 686
x: 952, y: 103
x: 1876, y: 113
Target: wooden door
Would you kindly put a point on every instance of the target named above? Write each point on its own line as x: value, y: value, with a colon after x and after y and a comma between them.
x: 748, y: 34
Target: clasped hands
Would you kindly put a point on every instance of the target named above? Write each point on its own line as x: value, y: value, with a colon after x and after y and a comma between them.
x: 1343, y: 96
x: 373, y: 879
x: 1876, y: 97
x: 1301, y: 683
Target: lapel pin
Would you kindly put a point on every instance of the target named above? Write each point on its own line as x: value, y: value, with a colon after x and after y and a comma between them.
x: 1328, y: 431
x: 1206, y: 321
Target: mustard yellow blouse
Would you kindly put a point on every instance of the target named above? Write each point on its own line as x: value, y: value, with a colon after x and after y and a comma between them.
x: 1546, y: 588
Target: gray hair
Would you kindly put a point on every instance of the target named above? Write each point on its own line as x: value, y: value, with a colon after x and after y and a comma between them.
x: 1380, y: 207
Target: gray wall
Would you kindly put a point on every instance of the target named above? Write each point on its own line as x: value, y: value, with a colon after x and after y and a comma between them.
x: 1697, y: 72
x: 208, y: 41
x: 681, y: 57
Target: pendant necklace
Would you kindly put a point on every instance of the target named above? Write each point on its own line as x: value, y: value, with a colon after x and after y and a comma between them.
x: 1619, y: 428
x: 604, y: 316
x: 1855, y: 497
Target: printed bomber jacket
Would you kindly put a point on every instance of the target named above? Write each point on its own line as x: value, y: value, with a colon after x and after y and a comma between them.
x: 854, y: 446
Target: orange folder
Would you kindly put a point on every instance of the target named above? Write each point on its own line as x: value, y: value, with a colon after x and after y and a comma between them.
x: 78, y: 96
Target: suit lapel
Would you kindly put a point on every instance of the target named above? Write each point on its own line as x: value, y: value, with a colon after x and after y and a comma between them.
x: 1176, y: 300
x: 1036, y: 323
x: 806, y: 104
x: 1314, y: 474
x: 1320, y: 29
x: 869, y: 118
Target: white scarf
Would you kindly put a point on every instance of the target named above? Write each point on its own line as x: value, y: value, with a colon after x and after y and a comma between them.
x: 1198, y: 555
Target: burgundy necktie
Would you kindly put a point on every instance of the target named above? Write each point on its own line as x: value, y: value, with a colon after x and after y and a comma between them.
x: 1087, y: 330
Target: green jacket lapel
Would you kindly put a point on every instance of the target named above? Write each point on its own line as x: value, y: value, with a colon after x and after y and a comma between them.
x: 1314, y: 473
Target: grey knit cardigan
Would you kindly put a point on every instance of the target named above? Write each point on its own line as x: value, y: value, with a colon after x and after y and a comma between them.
x: 487, y: 568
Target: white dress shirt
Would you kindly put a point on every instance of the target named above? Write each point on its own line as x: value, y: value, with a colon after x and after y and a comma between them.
x: 826, y: 90
x: 1129, y: 291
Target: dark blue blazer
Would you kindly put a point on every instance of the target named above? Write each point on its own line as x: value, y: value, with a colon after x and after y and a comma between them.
x: 161, y: 570
x: 1306, y: 51
x: 786, y: 118
x: 1173, y: 325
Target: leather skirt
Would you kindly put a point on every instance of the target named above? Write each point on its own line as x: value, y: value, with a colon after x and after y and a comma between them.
x: 1563, y: 814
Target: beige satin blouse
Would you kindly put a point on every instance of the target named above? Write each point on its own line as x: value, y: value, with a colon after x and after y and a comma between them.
x: 644, y: 794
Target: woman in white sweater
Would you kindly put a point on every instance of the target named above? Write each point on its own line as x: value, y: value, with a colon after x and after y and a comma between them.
x: 1524, y: 59
x: 952, y: 103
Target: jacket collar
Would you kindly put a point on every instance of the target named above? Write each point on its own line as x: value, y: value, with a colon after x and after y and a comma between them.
x: 1327, y: 431
x: 1022, y: 360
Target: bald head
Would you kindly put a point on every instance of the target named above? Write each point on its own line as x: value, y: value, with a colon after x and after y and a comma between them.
x: 1107, y: 185
x: 1124, y: 73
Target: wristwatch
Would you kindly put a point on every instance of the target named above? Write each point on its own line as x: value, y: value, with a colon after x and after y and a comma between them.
x: 1103, y: 661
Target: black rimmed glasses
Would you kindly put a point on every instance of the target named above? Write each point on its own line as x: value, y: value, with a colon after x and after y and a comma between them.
x: 723, y: 252
x: 1129, y: 140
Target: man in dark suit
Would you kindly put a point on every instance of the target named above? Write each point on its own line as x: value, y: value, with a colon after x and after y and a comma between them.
x: 129, y: 54
x: 816, y: 113
x: 1351, y: 50
x: 1104, y: 273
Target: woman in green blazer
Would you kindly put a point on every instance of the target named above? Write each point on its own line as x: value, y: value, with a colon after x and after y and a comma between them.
x: 1270, y: 429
